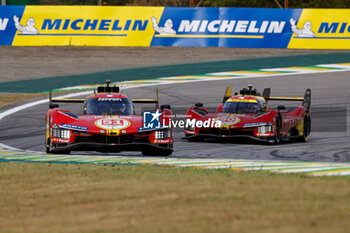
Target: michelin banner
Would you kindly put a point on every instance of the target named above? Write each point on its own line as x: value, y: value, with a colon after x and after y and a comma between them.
x: 174, y: 26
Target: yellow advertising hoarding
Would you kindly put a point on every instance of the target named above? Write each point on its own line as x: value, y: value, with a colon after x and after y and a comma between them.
x: 88, y: 26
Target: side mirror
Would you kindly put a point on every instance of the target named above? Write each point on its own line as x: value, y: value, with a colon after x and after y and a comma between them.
x: 165, y: 106
x: 52, y: 106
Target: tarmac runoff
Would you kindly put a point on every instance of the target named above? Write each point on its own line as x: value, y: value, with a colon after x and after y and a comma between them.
x: 8, y: 154
x: 242, y: 74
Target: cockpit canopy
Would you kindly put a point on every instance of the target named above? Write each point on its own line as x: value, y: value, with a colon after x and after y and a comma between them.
x: 109, y: 106
x: 243, y: 105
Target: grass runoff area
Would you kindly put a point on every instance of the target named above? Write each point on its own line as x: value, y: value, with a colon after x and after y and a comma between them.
x: 39, y: 197
x: 8, y: 99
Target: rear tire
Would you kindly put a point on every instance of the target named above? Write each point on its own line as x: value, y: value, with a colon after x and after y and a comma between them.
x: 277, y: 137
x: 306, y: 129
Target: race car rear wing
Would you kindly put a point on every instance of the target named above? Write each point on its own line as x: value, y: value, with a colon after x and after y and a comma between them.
x: 51, y: 100
x: 228, y: 94
x: 306, y: 99
x: 266, y: 95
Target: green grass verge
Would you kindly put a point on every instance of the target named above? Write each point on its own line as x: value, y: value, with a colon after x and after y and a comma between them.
x: 94, y: 198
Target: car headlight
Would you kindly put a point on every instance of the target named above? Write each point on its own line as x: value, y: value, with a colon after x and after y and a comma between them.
x: 61, y: 133
x: 265, y: 129
x: 163, y: 134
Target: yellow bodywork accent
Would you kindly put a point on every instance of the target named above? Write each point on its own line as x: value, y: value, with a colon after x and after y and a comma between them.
x: 228, y: 92
x: 242, y: 100
x: 286, y: 98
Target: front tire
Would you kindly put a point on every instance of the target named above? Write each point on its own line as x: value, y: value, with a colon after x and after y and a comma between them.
x: 306, y: 129
x: 48, y: 146
x: 49, y: 149
x: 277, y: 138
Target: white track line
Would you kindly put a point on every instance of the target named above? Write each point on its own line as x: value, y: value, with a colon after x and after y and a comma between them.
x: 32, y: 104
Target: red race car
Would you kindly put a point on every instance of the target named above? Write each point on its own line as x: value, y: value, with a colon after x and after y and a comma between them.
x: 108, y: 124
x: 247, y: 115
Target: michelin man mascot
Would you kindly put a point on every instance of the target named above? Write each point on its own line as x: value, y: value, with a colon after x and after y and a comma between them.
x: 27, y: 29
x: 302, y: 32
x: 166, y: 30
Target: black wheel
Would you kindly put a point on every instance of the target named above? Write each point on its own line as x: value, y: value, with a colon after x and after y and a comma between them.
x: 277, y: 138
x: 48, y: 146
x: 157, y: 152
x: 306, y: 129
x: 49, y: 149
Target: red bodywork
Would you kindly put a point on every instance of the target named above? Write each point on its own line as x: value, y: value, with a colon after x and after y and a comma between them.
x: 67, y: 131
x: 264, y: 125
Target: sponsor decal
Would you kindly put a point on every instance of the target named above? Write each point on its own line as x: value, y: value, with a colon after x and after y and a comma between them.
x: 3, y: 23
x: 112, y: 124
x: 109, y: 99
x: 60, y: 140
x: 256, y: 124
x: 174, y: 26
x: 320, y: 28
x: 228, y: 120
x: 83, y: 25
x: 264, y: 134
x: 162, y: 140
x: 77, y: 127
x: 223, y: 27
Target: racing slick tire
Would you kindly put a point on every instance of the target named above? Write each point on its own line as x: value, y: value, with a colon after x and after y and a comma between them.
x: 306, y: 129
x: 48, y: 146
x: 277, y: 138
x: 49, y: 149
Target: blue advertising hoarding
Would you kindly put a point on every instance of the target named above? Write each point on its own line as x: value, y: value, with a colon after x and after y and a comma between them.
x: 225, y: 27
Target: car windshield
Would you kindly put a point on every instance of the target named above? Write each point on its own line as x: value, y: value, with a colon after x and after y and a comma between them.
x: 240, y: 107
x: 109, y: 106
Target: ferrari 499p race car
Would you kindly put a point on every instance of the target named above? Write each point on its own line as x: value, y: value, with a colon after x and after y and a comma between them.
x: 108, y: 124
x: 247, y: 115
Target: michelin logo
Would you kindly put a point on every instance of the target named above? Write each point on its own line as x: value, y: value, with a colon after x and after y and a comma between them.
x: 166, y: 30
x: 3, y: 23
x: 28, y: 29
x: 302, y: 32
x: 219, y: 26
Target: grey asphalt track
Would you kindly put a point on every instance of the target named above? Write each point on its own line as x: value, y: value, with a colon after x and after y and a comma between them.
x: 329, y: 140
